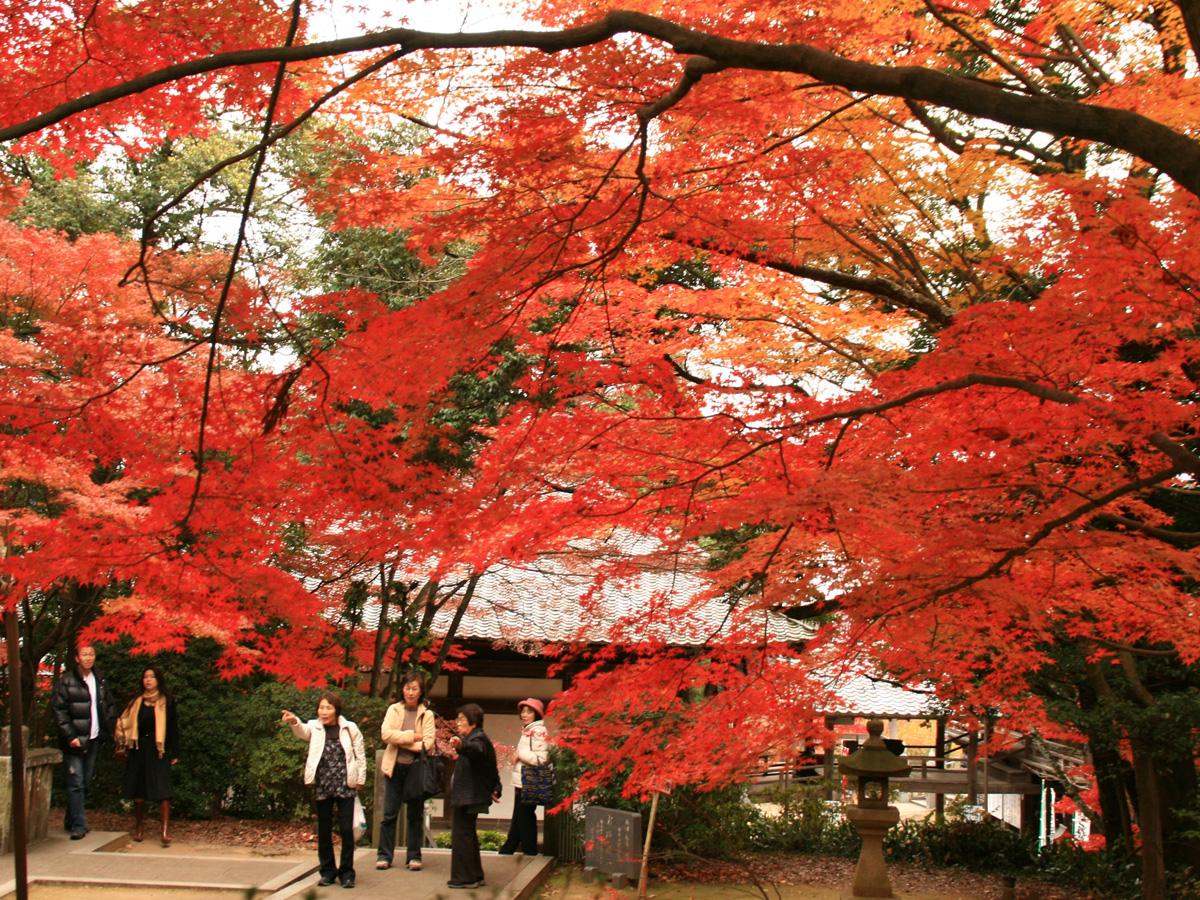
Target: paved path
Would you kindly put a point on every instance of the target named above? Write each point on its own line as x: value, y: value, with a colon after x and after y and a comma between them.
x: 95, y: 860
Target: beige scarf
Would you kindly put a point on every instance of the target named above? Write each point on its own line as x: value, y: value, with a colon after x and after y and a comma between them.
x: 127, y: 728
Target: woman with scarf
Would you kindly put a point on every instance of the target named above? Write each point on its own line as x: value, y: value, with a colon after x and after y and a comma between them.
x: 149, y: 731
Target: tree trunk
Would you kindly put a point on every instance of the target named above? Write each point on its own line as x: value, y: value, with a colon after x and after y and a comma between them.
x: 448, y: 639
x: 1178, y: 785
x: 1111, y: 774
x: 1150, y: 822
x: 382, y: 634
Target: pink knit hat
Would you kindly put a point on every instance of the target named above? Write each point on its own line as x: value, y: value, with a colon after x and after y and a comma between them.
x: 535, y: 705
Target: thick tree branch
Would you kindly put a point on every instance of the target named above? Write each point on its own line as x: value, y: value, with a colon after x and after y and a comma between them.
x: 1180, y: 537
x: 1159, y: 145
x: 1191, y: 22
x: 693, y: 70
x: 1136, y: 651
x: 1136, y: 688
x: 1176, y: 452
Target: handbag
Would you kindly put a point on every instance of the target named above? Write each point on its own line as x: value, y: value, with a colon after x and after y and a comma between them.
x: 537, y: 784
x: 121, y: 752
x: 424, y: 778
x: 360, y: 818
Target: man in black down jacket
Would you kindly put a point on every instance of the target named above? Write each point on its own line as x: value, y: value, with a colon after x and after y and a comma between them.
x: 84, y: 714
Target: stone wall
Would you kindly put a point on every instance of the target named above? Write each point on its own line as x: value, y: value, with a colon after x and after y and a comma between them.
x: 40, y: 765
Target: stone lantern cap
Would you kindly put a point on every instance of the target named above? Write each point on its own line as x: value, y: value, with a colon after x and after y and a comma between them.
x: 873, y: 759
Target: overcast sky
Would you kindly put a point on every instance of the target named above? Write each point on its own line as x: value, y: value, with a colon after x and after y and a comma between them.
x: 426, y: 15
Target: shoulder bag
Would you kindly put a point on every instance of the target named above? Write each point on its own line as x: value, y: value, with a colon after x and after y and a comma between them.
x: 424, y: 777
x: 537, y: 784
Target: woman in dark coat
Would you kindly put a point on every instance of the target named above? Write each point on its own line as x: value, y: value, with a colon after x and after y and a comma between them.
x: 474, y: 787
x: 148, y: 728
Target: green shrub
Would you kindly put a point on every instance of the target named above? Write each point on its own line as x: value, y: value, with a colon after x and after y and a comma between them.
x: 491, y: 840
x: 978, y: 846
x: 267, y: 779
x: 806, y: 823
x: 488, y: 840
x: 1114, y: 872
x: 716, y: 824
x: 236, y: 756
x: 211, y: 736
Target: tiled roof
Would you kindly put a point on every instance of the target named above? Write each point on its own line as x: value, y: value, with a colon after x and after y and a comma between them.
x: 622, y: 587
x: 861, y: 696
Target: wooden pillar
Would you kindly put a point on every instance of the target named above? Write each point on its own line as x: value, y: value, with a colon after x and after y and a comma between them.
x: 830, y: 760
x: 972, y: 777
x: 939, y: 751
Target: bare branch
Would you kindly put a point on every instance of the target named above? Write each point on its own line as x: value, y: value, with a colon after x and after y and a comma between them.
x: 883, y: 288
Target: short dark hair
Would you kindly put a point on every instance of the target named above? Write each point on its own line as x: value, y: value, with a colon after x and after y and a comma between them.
x: 333, y: 700
x: 411, y: 677
x: 473, y: 713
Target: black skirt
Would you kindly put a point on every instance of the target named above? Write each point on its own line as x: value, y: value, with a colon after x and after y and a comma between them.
x: 147, y: 776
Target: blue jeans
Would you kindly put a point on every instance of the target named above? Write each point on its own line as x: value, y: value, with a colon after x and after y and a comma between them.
x: 79, y: 775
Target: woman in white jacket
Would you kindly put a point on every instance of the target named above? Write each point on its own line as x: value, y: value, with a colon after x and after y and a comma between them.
x: 336, y: 768
x: 532, y: 749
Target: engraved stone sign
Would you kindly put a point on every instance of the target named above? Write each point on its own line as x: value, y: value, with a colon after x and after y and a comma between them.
x: 613, y: 841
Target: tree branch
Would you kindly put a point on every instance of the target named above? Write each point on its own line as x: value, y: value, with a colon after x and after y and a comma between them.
x: 884, y: 288
x: 1191, y: 23
x: 1174, y: 153
x: 1180, y: 537
x: 1176, y: 452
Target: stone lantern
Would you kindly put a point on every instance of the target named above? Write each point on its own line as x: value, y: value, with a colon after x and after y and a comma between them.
x: 873, y: 764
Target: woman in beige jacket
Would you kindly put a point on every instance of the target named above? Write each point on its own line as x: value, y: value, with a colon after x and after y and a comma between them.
x: 407, y: 727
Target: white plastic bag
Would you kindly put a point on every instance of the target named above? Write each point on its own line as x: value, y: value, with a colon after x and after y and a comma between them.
x: 360, y: 819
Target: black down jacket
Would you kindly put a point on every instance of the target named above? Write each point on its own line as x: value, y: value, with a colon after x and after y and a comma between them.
x: 72, y: 709
x: 476, y: 776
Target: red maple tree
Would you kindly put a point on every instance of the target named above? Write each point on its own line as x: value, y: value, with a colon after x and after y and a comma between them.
x: 901, y: 297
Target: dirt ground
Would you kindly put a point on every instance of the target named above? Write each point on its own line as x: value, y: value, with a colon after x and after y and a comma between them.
x: 237, y: 837
x: 794, y: 876
x: 568, y: 884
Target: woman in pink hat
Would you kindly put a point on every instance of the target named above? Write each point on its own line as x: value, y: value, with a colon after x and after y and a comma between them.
x: 533, y: 749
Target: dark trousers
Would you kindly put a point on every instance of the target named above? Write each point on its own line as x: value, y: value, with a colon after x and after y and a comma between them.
x: 522, y: 833
x: 79, y: 776
x: 392, y: 789
x: 466, y: 865
x: 345, y: 809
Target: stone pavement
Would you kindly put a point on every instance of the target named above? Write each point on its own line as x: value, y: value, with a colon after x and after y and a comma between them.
x: 109, y: 858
